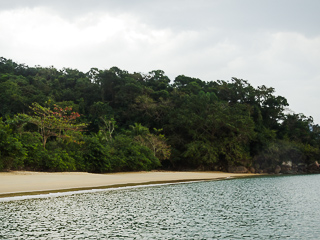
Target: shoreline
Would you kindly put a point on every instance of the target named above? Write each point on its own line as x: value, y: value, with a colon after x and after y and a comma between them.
x: 24, y: 183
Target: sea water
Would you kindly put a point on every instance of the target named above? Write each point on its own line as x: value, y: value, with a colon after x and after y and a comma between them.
x: 282, y: 207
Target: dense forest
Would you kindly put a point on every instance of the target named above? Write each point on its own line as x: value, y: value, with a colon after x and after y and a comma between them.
x: 113, y: 120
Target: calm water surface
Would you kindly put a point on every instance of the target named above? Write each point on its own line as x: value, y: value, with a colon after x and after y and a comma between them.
x: 252, y: 208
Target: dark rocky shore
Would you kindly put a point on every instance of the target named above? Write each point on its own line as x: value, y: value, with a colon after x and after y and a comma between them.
x: 284, y: 168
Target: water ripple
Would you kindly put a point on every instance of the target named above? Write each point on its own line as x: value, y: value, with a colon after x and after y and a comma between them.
x: 254, y: 208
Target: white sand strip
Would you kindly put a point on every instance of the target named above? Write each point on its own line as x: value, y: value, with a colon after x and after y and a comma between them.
x: 18, y: 182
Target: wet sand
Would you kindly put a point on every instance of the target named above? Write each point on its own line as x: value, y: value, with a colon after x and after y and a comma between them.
x: 26, y: 183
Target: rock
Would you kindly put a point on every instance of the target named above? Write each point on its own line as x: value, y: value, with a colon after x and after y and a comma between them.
x: 277, y: 170
x: 313, y: 167
x: 252, y: 170
x: 294, y: 169
x: 286, y: 167
x: 316, y: 164
x: 237, y: 169
x: 287, y: 163
x: 302, y: 168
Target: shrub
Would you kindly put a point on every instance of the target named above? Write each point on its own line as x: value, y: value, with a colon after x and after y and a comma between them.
x: 12, y: 153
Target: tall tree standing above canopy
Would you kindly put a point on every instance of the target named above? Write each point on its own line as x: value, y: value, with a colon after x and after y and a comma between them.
x: 55, y: 123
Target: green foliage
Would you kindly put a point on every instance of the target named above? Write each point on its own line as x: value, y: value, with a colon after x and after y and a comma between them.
x: 58, y: 160
x: 11, y: 98
x: 96, y: 154
x: 107, y: 128
x: 155, y: 142
x: 97, y: 111
x: 310, y: 154
x: 60, y: 122
x: 202, y: 155
x: 36, y: 155
x: 12, y: 154
x: 277, y: 152
x: 139, y: 130
x: 122, y: 154
x: 127, y: 155
x: 212, y: 132
x: 204, y: 125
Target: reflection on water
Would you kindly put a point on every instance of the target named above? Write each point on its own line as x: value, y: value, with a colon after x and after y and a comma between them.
x: 253, y: 208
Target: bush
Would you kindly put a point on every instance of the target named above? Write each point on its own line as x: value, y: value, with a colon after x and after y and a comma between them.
x: 277, y: 152
x: 35, y: 159
x: 128, y: 155
x: 59, y: 160
x: 96, y: 154
x: 12, y: 153
x: 120, y: 154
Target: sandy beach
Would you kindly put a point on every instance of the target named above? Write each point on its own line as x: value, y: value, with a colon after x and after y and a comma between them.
x: 26, y: 183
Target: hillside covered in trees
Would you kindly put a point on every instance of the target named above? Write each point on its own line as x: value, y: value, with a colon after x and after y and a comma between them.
x: 113, y: 120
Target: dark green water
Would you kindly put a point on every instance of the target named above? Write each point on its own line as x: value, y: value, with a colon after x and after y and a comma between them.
x: 252, y: 208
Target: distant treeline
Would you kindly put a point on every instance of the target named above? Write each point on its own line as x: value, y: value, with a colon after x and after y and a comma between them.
x: 113, y: 120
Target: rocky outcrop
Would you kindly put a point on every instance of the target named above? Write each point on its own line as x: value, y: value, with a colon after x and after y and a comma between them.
x: 313, y: 168
x: 277, y: 170
x: 302, y: 168
x: 286, y: 167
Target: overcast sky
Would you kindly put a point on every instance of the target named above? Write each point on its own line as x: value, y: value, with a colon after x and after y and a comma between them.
x: 267, y: 42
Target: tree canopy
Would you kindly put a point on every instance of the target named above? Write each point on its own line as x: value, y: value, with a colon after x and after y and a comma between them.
x: 113, y: 120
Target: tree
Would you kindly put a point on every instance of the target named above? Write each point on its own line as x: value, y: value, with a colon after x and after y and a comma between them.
x: 188, y: 85
x: 12, y: 153
x: 58, y: 123
x: 108, y: 127
x: 155, y: 142
x: 223, y: 131
x: 11, y: 98
x: 297, y: 127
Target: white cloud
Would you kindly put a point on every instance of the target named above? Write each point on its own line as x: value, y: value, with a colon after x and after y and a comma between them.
x: 295, y: 64
x: 287, y: 61
x: 38, y: 34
